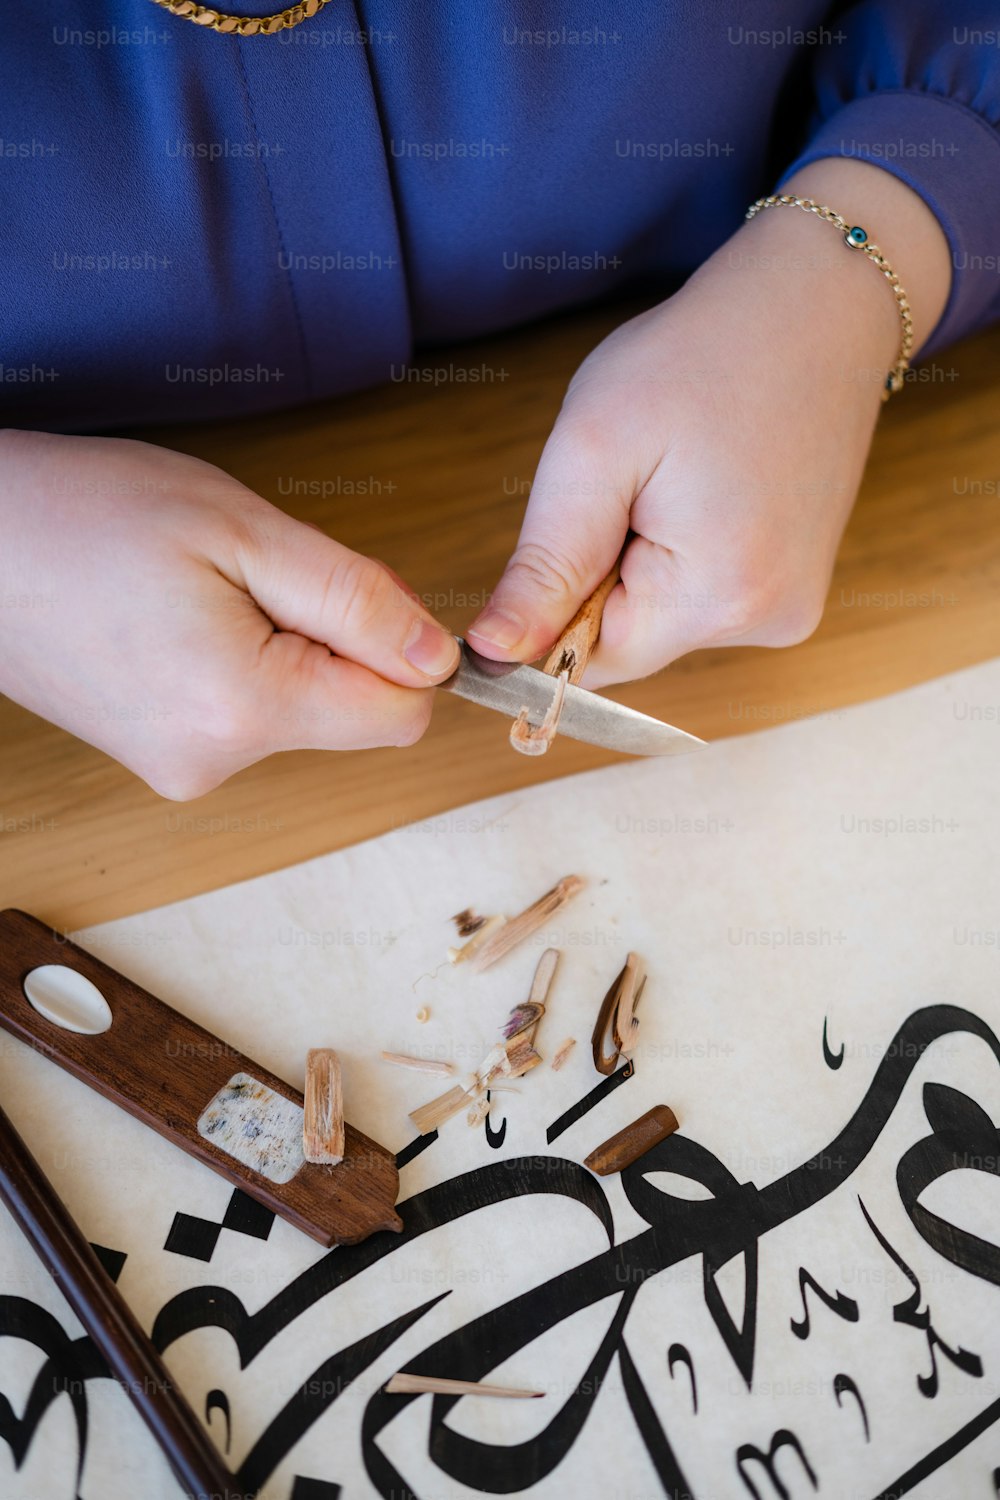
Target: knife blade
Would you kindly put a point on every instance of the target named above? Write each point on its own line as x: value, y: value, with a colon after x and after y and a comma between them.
x: 508, y: 687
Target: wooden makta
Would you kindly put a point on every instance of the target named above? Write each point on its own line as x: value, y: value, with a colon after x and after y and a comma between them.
x: 185, y: 1083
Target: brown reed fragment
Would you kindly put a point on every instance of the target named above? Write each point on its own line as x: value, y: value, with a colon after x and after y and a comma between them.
x: 626, y: 1146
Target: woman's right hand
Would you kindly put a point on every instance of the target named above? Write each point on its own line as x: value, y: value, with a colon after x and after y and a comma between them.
x: 158, y: 609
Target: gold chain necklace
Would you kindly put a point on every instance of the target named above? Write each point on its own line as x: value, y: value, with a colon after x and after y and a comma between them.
x: 217, y: 20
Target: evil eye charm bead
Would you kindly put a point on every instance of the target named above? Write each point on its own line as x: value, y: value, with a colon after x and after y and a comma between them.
x: 856, y: 237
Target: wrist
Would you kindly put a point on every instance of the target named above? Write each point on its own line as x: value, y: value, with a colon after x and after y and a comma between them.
x: 898, y: 220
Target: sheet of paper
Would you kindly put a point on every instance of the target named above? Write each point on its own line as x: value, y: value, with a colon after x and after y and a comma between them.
x: 798, y: 1292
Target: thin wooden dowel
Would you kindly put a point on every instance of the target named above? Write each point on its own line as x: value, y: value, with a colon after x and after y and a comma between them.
x: 135, y: 1363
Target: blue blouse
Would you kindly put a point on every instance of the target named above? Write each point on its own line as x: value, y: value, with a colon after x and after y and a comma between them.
x: 195, y: 225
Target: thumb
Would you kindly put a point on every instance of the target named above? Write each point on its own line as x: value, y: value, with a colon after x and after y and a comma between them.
x: 308, y: 583
x: 574, y: 527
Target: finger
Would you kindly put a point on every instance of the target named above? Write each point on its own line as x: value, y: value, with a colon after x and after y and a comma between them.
x: 573, y: 530
x: 658, y: 612
x: 308, y: 583
x: 310, y: 700
x: 400, y: 582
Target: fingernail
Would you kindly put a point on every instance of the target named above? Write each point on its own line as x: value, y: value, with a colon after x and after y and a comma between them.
x: 499, y: 628
x: 430, y: 649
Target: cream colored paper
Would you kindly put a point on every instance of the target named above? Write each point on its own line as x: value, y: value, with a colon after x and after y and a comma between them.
x: 839, y: 871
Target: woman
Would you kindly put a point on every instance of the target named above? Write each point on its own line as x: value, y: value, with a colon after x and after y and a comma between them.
x: 208, y: 216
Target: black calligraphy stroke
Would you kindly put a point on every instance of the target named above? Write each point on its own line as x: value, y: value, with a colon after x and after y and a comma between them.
x: 942, y: 1454
x: 732, y: 1222
x: 583, y: 1106
x: 832, y: 1059
x: 844, y: 1385
x: 908, y: 1312
x: 964, y: 1137
x: 494, y: 1138
x: 845, y: 1307
x: 70, y: 1364
x: 219, y: 1401
x: 679, y: 1354
x: 748, y: 1452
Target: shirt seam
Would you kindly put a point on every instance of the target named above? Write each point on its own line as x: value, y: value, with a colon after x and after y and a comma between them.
x: 275, y: 219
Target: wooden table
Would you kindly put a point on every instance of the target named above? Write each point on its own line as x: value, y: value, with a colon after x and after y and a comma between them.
x: 447, y: 469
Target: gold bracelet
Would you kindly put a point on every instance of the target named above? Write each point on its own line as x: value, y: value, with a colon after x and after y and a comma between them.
x: 857, y: 239
x: 217, y: 20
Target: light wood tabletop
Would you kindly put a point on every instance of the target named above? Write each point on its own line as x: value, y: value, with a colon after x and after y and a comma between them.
x: 431, y: 476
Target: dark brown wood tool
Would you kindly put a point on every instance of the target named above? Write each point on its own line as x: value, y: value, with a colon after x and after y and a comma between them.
x: 200, y: 1093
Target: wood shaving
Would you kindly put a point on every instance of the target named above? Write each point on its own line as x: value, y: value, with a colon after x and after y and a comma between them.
x: 434, y: 1114
x: 626, y: 1023
x: 418, y: 1064
x: 544, y: 975
x: 562, y: 1052
x: 523, y: 734
x: 617, y: 1018
x: 471, y: 948
x: 516, y: 929
x: 467, y: 922
x: 522, y: 1018
x: 521, y: 1057
x: 480, y: 1109
x: 433, y: 1385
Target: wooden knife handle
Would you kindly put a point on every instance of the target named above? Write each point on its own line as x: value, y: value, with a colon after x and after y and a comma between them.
x: 573, y: 649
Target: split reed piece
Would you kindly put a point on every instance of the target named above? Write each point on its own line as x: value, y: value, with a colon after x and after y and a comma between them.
x: 323, y: 1121
x: 617, y: 1016
x: 521, y: 1057
x: 429, y: 1116
x: 434, y: 1385
x: 516, y: 929
x: 527, y: 1015
x: 621, y: 1150
x: 505, y: 1060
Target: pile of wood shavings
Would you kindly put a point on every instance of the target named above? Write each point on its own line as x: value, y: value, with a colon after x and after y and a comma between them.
x: 489, y: 939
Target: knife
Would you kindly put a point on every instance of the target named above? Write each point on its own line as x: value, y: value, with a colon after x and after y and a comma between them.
x: 538, y: 699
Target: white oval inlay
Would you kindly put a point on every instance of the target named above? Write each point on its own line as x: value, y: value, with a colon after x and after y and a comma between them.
x: 68, y: 999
